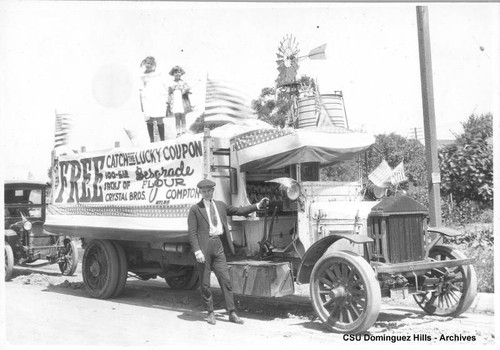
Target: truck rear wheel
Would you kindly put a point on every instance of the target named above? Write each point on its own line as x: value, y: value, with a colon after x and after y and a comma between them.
x: 457, y: 289
x: 9, y: 261
x: 345, y: 292
x: 123, y: 269
x: 100, y: 269
x: 190, y: 280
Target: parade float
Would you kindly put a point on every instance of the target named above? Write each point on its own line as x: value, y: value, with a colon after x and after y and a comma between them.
x: 129, y: 205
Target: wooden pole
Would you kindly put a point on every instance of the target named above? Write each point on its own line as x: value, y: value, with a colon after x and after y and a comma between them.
x: 431, y: 152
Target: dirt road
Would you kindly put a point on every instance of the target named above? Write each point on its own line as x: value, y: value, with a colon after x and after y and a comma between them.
x: 44, y: 308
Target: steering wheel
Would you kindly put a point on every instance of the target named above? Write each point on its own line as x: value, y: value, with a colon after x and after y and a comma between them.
x: 26, y: 210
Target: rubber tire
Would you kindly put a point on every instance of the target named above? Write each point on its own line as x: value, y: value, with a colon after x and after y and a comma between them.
x: 189, y: 283
x: 372, y: 296
x: 107, y: 266
x: 9, y: 262
x: 469, y: 294
x: 123, y: 269
x: 70, y: 270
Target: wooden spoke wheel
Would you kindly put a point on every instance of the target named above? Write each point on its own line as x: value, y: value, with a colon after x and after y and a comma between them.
x: 456, y: 289
x: 345, y: 292
x: 100, y: 269
x: 68, y: 260
x: 123, y: 269
x: 9, y: 261
x: 189, y: 280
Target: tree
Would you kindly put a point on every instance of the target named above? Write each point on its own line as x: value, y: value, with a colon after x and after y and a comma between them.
x: 467, y: 166
x: 274, y: 104
x: 394, y: 149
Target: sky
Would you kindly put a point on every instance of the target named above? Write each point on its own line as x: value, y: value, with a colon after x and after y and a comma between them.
x: 84, y: 58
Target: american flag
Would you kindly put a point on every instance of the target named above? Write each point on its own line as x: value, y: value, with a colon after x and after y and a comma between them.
x: 224, y: 102
x: 322, y: 117
x: 64, y: 124
x: 398, y: 174
x: 382, y: 175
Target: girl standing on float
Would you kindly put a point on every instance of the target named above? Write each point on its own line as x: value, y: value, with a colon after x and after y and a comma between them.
x: 153, y: 95
x: 178, y: 99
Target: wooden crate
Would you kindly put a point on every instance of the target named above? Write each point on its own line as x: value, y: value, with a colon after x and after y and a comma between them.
x: 261, y: 278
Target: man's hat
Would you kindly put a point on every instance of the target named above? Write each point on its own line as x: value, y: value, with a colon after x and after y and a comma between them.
x: 176, y: 69
x: 206, y: 183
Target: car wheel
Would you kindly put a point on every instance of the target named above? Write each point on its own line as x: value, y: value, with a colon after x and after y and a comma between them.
x: 9, y: 261
x: 69, y: 261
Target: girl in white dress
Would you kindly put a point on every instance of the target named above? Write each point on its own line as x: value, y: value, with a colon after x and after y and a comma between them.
x: 178, y: 99
x: 153, y: 94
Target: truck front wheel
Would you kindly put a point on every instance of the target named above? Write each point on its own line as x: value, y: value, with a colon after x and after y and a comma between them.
x: 100, y: 269
x: 345, y: 293
x: 457, y: 287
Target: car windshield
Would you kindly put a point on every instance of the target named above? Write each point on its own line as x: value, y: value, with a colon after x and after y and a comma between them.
x: 27, y: 202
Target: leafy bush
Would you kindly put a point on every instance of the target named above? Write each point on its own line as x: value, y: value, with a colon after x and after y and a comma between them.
x: 473, y: 238
x: 478, y: 244
x: 484, y: 266
x: 467, y: 165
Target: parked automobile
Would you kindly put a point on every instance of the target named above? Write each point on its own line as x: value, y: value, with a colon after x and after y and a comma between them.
x: 25, y: 239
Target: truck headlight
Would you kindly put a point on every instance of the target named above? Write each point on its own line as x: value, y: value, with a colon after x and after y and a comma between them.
x: 293, y: 192
x: 27, y: 225
x: 291, y: 187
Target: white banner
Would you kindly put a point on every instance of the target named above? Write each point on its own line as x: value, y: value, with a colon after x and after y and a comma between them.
x: 163, y: 173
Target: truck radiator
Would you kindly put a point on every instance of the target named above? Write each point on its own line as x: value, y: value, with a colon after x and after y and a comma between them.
x: 398, y: 238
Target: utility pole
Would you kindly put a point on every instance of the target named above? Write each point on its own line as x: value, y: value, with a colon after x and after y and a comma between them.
x: 431, y: 152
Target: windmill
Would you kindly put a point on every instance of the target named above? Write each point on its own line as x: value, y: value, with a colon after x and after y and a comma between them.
x: 288, y: 59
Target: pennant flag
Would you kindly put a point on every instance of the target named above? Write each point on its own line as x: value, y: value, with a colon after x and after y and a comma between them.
x: 223, y: 102
x: 132, y: 135
x: 398, y: 174
x: 64, y: 124
x: 382, y: 175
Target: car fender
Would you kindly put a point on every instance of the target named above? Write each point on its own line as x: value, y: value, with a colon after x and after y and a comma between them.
x: 446, y: 231
x: 317, y: 250
x: 11, y: 237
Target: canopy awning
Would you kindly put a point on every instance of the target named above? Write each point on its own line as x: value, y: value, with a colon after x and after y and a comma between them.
x: 276, y: 148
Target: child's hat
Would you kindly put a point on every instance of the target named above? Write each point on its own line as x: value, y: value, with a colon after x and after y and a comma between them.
x: 176, y: 69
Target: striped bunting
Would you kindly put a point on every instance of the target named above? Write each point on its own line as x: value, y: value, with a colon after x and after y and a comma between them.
x: 225, y: 103
x: 260, y: 136
x: 64, y: 124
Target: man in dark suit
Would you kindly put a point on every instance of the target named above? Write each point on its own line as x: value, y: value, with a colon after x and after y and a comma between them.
x: 208, y: 229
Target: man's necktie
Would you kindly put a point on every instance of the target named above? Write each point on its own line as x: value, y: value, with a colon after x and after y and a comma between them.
x: 213, y: 216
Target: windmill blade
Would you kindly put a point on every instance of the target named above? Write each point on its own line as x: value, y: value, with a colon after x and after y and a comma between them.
x: 318, y: 53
